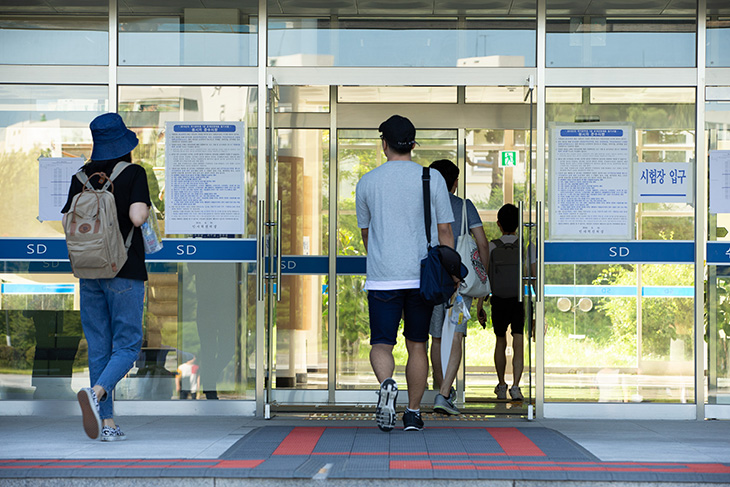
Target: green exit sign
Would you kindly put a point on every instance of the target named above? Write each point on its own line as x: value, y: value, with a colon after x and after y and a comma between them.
x: 508, y: 158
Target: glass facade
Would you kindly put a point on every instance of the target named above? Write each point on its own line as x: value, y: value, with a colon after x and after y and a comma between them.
x: 224, y: 35
x: 72, y: 33
x: 611, y: 320
x: 424, y: 42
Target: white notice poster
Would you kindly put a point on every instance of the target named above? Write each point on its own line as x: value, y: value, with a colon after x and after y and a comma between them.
x: 719, y: 181
x: 663, y: 182
x: 54, y: 179
x: 590, y: 181
x: 204, y: 176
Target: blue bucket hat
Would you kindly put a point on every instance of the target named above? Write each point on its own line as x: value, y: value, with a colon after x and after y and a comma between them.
x: 112, y: 139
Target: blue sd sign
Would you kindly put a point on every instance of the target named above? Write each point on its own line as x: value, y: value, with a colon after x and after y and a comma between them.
x: 646, y: 251
x: 50, y: 251
x: 173, y: 250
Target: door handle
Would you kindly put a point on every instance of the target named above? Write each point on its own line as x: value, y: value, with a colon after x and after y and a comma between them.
x: 538, y: 238
x: 278, y: 250
x: 260, y: 251
x: 520, y: 232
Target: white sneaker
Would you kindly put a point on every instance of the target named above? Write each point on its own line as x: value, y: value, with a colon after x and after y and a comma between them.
x: 515, y: 393
x: 112, y: 434
x: 501, y: 391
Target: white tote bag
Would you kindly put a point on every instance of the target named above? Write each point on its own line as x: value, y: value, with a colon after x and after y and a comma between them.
x: 476, y: 283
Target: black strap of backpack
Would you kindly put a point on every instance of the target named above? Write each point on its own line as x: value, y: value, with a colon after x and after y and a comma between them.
x: 427, y: 203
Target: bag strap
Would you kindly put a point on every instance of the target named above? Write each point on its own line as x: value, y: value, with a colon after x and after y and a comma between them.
x: 464, y: 227
x: 121, y: 166
x: 118, y: 168
x: 427, y: 203
x: 81, y: 176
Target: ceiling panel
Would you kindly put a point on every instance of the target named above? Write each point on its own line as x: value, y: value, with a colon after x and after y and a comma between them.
x: 718, y: 7
x: 405, y: 7
x: 44, y: 7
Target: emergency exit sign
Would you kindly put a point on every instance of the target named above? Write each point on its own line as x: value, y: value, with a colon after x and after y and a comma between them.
x: 508, y: 158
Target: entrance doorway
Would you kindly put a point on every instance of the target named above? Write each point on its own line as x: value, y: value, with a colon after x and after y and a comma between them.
x: 319, y: 328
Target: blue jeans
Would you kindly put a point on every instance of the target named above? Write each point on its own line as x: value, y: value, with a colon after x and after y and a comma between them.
x: 111, y: 316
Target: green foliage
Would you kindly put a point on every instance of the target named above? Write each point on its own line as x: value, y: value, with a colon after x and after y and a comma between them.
x: 663, y: 319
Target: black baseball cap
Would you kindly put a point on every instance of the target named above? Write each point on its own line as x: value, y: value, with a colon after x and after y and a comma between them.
x: 451, y: 261
x: 399, y: 132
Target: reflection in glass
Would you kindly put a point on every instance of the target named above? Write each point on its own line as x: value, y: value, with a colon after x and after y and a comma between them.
x: 42, y: 350
x: 600, y: 41
x: 41, y: 121
x: 43, y: 33
x: 200, y: 317
x: 396, y: 94
x: 717, y: 306
x: 223, y: 36
x: 304, y: 99
x: 635, y: 342
x: 301, y: 333
x: 718, y: 38
x: 421, y: 42
x: 619, y: 333
x: 145, y: 109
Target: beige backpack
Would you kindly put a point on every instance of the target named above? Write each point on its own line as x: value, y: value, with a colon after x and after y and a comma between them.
x: 95, y: 244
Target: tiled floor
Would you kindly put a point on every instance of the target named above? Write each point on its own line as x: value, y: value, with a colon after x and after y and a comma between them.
x: 289, y: 447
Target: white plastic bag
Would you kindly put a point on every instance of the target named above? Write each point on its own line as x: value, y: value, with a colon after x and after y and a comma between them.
x: 456, y: 314
x: 151, y: 234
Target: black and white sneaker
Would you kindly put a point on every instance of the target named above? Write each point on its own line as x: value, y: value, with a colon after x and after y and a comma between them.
x: 90, y: 412
x: 385, y: 411
x: 412, y: 421
x: 112, y: 434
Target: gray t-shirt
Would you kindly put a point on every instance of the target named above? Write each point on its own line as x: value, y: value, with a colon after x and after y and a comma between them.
x: 389, y: 203
x: 473, y: 220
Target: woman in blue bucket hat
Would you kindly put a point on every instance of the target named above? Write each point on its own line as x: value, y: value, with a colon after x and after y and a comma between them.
x: 111, y: 309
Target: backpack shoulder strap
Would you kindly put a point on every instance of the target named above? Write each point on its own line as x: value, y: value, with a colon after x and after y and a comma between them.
x: 81, y: 176
x: 498, y: 243
x: 121, y: 166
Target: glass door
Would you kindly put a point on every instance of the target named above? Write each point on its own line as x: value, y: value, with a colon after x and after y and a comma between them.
x: 305, y: 288
x: 498, y: 169
x: 717, y: 129
x: 619, y: 292
x: 297, y: 243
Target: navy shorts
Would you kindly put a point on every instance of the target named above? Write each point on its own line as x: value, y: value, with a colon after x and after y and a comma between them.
x: 506, y: 312
x: 388, y: 307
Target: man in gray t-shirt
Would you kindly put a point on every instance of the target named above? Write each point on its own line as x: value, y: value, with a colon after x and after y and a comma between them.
x: 389, y: 203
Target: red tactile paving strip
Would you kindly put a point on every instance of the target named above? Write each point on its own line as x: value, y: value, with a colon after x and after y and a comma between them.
x: 357, y: 452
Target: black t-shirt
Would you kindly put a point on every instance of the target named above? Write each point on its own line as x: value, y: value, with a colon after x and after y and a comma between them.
x: 129, y: 187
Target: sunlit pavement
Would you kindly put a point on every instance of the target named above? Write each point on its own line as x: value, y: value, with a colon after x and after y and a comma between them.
x: 163, y: 450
